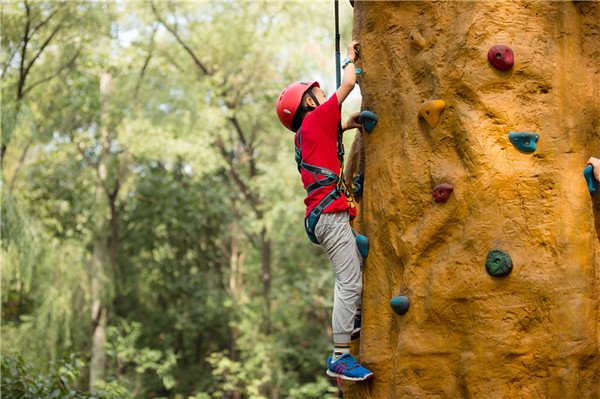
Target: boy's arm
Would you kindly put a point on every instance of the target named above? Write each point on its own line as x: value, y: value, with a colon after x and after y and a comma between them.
x: 349, y: 78
x: 353, y: 122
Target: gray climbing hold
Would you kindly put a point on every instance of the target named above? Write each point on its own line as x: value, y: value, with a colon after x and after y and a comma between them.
x: 498, y: 263
x: 400, y: 304
x: 524, y: 141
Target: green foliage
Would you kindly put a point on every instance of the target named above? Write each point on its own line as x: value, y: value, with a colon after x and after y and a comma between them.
x: 117, y: 136
x: 21, y: 381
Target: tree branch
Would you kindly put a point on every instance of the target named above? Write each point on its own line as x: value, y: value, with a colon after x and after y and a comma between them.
x: 248, y: 145
x: 54, y: 32
x: 58, y: 71
x: 8, y: 60
x: 197, y: 61
x: 19, y: 165
x: 146, y: 62
x: 44, y: 22
x: 238, y: 128
x: 252, y: 199
x: 22, y: 74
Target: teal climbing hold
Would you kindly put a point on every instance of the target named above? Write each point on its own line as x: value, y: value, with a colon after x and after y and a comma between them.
x: 362, y: 242
x: 498, y: 263
x: 524, y: 141
x: 592, y: 183
x: 357, y: 185
x: 400, y: 304
x: 368, y: 120
x: 358, y: 70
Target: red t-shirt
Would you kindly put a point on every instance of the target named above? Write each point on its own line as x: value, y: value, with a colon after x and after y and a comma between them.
x: 319, y: 148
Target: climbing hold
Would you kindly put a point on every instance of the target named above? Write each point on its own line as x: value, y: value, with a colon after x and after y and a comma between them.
x: 362, y: 242
x: 416, y: 39
x: 498, y: 263
x: 369, y: 120
x: 501, y: 57
x: 400, y: 304
x: 524, y: 141
x: 592, y: 183
x: 357, y: 185
x: 358, y: 70
x: 441, y: 192
x: 430, y: 111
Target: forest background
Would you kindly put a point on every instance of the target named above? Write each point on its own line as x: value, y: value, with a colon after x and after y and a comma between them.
x: 152, y: 216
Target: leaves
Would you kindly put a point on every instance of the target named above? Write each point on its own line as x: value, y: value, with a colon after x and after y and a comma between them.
x: 148, y: 131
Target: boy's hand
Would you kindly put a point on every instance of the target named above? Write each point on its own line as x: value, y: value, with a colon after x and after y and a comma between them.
x: 353, y: 49
x: 595, y: 162
x: 353, y: 122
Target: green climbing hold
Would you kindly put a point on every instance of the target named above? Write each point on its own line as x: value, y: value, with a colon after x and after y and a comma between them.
x: 524, y: 141
x: 400, y: 304
x: 588, y: 172
x: 368, y: 120
x: 498, y: 263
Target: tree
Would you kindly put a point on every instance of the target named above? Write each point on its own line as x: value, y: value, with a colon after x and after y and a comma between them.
x: 153, y: 221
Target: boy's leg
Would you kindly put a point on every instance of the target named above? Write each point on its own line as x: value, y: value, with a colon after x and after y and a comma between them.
x: 337, y: 238
x: 339, y: 241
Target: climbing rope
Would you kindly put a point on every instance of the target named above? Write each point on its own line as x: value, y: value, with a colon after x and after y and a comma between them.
x: 338, y: 78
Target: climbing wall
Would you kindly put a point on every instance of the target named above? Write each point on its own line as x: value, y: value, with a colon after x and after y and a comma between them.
x: 482, y: 230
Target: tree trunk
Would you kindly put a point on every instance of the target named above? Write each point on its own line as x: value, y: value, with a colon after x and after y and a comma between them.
x: 100, y: 258
x: 236, y: 266
x: 470, y: 333
x: 266, y: 275
x: 102, y: 255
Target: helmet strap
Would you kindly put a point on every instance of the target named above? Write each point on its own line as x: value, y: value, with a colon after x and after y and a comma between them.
x: 310, y: 93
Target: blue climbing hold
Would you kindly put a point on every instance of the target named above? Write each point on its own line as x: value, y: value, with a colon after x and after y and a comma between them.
x: 357, y: 185
x: 400, y: 304
x: 362, y: 242
x: 368, y: 120
x: 524, y: 141
x: 592, y: 183
x: 358, y: 70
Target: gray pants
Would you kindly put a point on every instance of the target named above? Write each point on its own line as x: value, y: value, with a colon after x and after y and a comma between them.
x: 339, y: 241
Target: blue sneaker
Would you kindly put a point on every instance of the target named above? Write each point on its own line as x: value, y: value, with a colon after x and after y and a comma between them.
x: 347, y: 368
x: 356, y: 331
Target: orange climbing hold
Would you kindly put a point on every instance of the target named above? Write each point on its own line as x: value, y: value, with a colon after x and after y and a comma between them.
x: 417, y: 40
x: 430, y: 111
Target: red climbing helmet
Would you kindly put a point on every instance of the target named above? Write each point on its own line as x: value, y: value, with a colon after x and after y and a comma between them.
x: 289, y: 101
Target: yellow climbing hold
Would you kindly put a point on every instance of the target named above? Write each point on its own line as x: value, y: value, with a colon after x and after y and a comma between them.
x: 417, y: 40
x: 430, y: 111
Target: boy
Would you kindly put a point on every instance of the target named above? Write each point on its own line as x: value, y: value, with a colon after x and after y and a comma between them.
x: 304, y: 106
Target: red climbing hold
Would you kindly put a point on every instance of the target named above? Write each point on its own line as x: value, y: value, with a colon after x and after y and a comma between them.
x: 501, y: 57
x: 442, y: 192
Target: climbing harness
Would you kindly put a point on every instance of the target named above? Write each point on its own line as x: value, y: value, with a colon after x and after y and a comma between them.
x: 323, y: 178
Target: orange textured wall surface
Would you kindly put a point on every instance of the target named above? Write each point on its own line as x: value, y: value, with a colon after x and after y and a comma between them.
x: 534, y: 333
